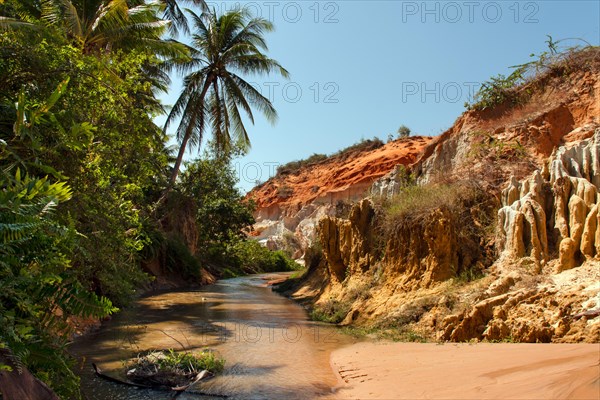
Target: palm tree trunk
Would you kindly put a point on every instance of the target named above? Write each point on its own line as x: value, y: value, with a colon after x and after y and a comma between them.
x: 186, y: 138
x: 179, y: 160
x: 183, y: 146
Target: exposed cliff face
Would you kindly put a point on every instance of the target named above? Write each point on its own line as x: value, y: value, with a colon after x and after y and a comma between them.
x: 421, y: 255
x: 540, y: 162
x: 549, y: 224
x: 555, y: 209
x: 290, y: 205
x: 513, y: 141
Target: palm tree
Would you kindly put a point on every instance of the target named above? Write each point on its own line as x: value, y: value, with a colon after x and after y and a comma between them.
x: 101, y: 26
x: 223, y: 47
x: 173, y: 13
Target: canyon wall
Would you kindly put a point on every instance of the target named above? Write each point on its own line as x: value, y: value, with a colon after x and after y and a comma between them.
x: 530, y: 273
x: 290, y: 205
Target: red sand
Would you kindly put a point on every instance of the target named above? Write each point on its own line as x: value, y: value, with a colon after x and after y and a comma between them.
x: 468, y: 371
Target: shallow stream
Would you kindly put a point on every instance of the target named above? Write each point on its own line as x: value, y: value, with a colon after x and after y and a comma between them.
x: 272, y: 350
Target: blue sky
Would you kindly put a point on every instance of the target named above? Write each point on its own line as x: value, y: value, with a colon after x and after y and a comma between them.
x: 361, y: 69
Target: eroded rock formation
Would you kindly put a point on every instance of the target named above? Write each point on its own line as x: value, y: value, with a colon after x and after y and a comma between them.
x: 555, y: 210
x: 545, y: 282
x: 324, y: 188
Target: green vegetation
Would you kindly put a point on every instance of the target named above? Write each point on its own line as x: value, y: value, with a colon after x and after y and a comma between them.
x: 221, y: 216
x: 403, y: 132
x: 183, y: 361
x: 517, y: 87
x: 362, y: 145
x: 39, y: 290
x: 496, y: 150
x: 471, y: 214
x: 414, y: 201
x: 87, y: 192
x: 294, y: 166
x: 249, y: 257
x: 332, y: 311
x: 171, y: 368
x: 223, y: 46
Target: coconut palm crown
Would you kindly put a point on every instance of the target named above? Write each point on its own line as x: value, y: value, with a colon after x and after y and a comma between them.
x: 224, y: 47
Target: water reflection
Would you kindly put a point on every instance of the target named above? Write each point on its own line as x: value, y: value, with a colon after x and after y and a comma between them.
x: 272, y: 350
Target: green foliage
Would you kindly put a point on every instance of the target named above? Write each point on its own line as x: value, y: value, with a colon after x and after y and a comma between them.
x: 222, y: 216
x: 249, y: 257
x: 100, y: 124
x: 78, y: 92
x: 38, y: 290
x: 178, y: 362
x: 215, y: 91
x: 519, y: 85
x: 470, y: 210
x: 222, y: 213
x: 403, y: 132
x: 363, y: 145
x: 70, y: 117
x: 294, y: 166
x: 331, y: 311
x: 486, y: 146
x: 412, y: 202
x: 360, y: 146
x: 179, y: 260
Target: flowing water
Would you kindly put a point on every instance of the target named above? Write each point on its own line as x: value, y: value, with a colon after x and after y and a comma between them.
x: 272, y: 350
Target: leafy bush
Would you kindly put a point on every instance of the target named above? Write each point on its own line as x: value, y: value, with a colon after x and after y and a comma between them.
x: 294, y: 166
x: 179, y: 260
x: 222, y: 213
x: 38, y: 290
x: 520, y: 84
x: 472, y: 219
x: 332, y: 311
x: 221, y: 218
x: 250, y: 257
x: 185, y: 362
x: 403, y: 131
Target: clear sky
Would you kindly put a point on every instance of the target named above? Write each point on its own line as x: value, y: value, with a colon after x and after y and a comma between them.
x: 361, y: 69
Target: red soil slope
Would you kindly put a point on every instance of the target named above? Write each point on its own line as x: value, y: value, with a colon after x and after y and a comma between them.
x: 340, y: 176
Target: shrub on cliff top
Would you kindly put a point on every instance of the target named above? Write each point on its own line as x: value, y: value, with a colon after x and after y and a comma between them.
x: 363, y: 145
x: 413, y: 202
x: 517, y: 87
x: 294, y: 166
x: 472, y: 214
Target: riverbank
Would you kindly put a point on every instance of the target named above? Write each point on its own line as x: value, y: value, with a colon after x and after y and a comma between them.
x: 386, y: 370
x: 270, y: 347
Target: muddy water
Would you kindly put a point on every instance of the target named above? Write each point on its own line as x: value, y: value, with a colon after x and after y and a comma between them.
x: 272, y: 350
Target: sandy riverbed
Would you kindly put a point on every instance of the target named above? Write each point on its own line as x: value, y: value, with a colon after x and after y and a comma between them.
x: 468, y: 371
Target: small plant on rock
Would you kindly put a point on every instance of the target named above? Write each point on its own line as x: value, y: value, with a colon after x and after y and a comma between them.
x: 170, y: 368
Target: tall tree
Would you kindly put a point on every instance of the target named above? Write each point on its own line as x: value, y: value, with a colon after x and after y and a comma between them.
x: 100, y: 26
x: 224, y: 48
